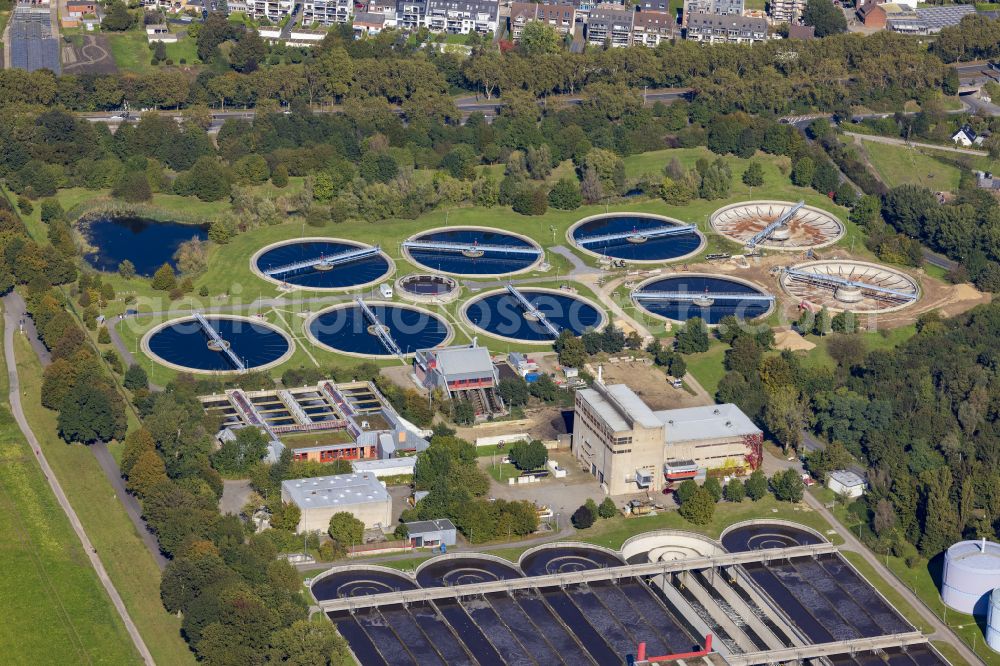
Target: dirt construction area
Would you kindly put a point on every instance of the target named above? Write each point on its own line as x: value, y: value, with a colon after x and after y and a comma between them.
x: 650, y: 384
x: 88, y: 54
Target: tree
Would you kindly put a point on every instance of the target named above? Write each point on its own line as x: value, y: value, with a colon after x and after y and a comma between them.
x: 237, y: 455
x: 942, y: 526
x: 583, y: 518
x: 117, y: 17
x: 306, y: 643
x: 103, y: 337
x: 461, y: 162
x: 784, y: 416
x: 591, y: 188
x: 754, y: 175
x: 528, y: 455
x: 285, y: 515
x: 249, y: 52
x: 686, y: 490
x: 802, y: 172
x: 345, y: 529
x: 52, y: 210
x: 607, y: 508
x: 692, y: 337
x: 825, y: 17
x: 146, y: 473
x: 463, y: 412
x: 787, y: 485
x: 279, y: 176
x: 713, y: 487
x: 126, y: 269
x: 756, y: 485
x: 538, y: 38
x: 699, y: 508
x: 514, y: 391
x: 565, y: 195
x: 91, y: 413
x: 734, y: 491
x: 164, y: 278
x: 570, y: 349
x: 133, y: 187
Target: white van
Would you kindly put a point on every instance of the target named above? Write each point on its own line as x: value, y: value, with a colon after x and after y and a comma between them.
x: 385, y: 289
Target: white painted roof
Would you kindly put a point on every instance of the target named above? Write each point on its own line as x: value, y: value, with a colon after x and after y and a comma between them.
x: 620, y: 407
x: 386, y: 463
x: 338, y: 490
x: 847, y: 478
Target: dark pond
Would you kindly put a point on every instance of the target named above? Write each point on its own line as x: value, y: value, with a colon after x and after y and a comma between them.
x: 146, y: 243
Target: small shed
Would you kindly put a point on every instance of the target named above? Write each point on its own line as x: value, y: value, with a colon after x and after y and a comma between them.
x: 846, y: 482
x: 428, y: 533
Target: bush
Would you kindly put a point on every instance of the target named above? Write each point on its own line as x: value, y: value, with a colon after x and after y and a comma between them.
x: 164, y: 278
x: 787, y: 485
x: 607, y: 508
x: 583, y: 518
x: 528, y: 455
x: 713, y: 487
x: 24, y: 205
x: 734, y: 491
x: 345, y: 529
x: 103, y: 336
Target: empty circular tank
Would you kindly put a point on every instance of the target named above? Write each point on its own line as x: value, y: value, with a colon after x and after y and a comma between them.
x: 632, y: 237
x: 321, y: 264
x: 345, y: 329
x: 427, y: 288
x: 971, y: 573
x: 807, y: 228
x: 185, y: 345
x: 858, y: 286
x: 993, y: 621
x: 710, y: 297
x: 668, y: 545
x: 500, y: 314
x: 473, y: 251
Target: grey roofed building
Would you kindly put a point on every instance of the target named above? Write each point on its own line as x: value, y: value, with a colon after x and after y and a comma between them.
x: 431, y: 532
x: 929, y: 20
x: 620, y: 408
x: 706, y: 422
x: 610, y: 23
x: 361, y: 495
x: 718, y: 28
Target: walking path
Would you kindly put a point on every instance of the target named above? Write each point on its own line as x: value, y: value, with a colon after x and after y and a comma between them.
x: 915, y: 144
x: 13, y: 314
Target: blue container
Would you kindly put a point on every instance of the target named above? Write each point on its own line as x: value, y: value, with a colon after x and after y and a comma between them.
x: 531, y: 377
x: 444, y: 548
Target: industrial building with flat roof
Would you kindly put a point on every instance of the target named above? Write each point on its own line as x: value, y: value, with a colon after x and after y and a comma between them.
x: 629, y: 447
x: 428, y: 533
x: 461, y: 372
x: 361, y: 495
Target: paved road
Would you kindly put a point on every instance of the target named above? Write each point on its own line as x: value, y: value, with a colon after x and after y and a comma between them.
x: 13, y: 307
x: 915, y: 144
x: 579, y: 267
x: 939, y: 260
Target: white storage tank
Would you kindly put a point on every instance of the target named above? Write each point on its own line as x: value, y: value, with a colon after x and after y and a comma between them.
x: 971, y: 572
x: 993, y: 621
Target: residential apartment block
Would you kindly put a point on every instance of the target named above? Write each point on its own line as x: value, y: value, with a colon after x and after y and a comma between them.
x: 786, y: 11
x: 272, y: 10
x: 327, y: 12
x: 610, y: 24
x: 562, y: 17
x: 649, y: 28
x: 716, y: 28
x: 461, y: 17
x: 726, y: 7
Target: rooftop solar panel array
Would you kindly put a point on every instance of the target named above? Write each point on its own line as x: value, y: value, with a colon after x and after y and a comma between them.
x: 32, y: 45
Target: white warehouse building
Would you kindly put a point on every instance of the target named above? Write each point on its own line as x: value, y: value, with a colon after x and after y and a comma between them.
x: 360, y: 494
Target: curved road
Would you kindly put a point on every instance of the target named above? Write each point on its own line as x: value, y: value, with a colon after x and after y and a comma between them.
x: 13, y: 307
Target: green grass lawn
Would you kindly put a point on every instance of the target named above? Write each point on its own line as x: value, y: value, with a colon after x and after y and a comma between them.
x: 131, y: 51
x: 612, y: 532
x: 899, y: 165
x: 874, y: 341
x: 707, y: 367
x: 184, y: 48
x: 55, y: 608
x: 502, y: 471
x: 130, y: 565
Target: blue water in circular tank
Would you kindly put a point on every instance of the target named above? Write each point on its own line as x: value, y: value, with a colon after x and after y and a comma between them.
x: 500, y: 314
x: 568, y: 559
x: 465, y: 571
x: 491, y: 263
x: 341, y: 276
x: 185, y: 343
x: 765, y: 535
x: 653, y: 249
x: 148, y: 244
x: 347, y: 329
x: 711, y: 314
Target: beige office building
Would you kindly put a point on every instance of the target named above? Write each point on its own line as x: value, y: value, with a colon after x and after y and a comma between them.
x: 360, y: 494
x: 628, y: 447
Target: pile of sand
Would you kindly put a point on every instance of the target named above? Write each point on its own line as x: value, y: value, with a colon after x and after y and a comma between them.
x: 792, y: 341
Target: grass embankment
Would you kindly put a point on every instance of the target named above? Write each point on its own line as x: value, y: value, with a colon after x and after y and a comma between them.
x: 55, y: 608
x: 130, y: 565
x: 900, y: 165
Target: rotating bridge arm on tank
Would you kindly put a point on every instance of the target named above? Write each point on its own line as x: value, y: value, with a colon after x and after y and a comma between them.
x: 447, y: 246
x: 379, y: 328
x: 644, y: 234
x: 221, y: 343
x: 834, y: 281
x: 532, y: 311
x: 766, y: 232
x: 338, y: 259
x: 697, y: 296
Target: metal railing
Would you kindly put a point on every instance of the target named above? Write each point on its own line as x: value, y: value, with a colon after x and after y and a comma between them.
x: 338, y: 259
x: 766, y: 232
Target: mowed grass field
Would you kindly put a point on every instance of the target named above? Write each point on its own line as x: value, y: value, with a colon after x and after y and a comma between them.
x: 899, y: 165
x: 131, y: 566
x: 55, y: 610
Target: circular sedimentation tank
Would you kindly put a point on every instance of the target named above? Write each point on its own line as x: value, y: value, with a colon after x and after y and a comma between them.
x: 473, y: 251
x: 567, y: 557
x: 971, y: 573
x: 321, y: 264
x: 427, y: 288
x: 448, y: 570
x: 500, y: 314
x: 346, y: 329
x: 631, y: 237
x: 668, y: 545
x: 808, y: 228
x: 764, y: 534
x: 704, y: 295
x: 184, y: 344
x: 857, y: 286
x: 359, y: 581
